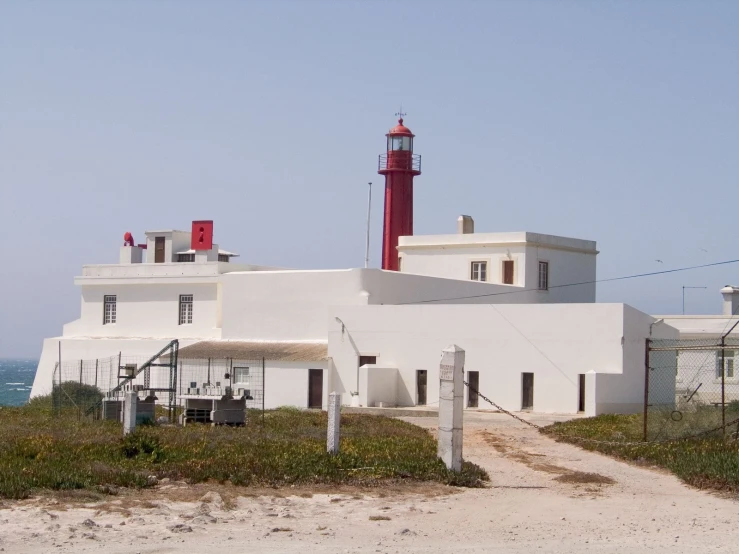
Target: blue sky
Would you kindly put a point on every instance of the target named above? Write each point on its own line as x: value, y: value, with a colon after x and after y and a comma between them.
x: 611, y: 121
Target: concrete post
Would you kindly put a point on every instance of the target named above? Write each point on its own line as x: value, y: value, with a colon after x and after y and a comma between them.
x: 130, y: 403
x: 451, y: 406
x: 334, y: 423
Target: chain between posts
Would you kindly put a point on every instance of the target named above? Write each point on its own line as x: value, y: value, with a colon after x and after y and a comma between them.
x: 596, y: 441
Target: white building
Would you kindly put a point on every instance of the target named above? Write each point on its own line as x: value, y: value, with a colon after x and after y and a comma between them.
x: 550, y: 348
x: 700, y: 368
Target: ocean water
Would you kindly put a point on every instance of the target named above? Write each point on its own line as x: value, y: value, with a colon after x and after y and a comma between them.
x: 16, y: 379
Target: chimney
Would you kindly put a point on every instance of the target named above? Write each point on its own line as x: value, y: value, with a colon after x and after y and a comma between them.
x: 731, y: 300
x: 465, y: 225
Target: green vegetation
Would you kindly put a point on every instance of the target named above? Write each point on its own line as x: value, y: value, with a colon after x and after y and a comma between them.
x: 40, y: 451
x: 705, y: 462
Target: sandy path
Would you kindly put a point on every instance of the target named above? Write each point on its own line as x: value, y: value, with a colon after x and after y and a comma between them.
x: 525, y: 510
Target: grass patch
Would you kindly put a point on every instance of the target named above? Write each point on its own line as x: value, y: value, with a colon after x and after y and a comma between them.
x: 379, y: 518
x: 707, y: 462
x: 584, y: 478
x: 39, y: 451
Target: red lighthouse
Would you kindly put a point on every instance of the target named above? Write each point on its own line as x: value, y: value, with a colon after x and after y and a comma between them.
x: 399, y: 165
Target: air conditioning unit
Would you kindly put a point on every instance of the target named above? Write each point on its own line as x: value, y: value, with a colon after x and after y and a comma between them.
x: 129, y: 370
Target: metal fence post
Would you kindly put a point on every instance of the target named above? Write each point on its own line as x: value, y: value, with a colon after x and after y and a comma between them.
x: 646, y: 386
x: 723, y: 386
x: 79, y: 396
x: 264, y: 388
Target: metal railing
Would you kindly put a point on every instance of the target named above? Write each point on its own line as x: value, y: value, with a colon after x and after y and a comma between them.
x: 399, y: 161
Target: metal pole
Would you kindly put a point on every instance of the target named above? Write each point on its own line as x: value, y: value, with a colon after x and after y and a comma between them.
x: 369, y: 212
x: 646, y: 386
x: 59, y: 367
x: 264, y: 388
x: 79, y: 396
x: 723, y: 387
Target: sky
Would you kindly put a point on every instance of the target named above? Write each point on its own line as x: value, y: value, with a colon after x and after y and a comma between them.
x: 610, y: 121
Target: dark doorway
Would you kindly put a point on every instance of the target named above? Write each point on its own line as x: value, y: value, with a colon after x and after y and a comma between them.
x: 527, y: 398
x: 159, y: 250
x: 421, y: 387
x: 473, y: 378
x: 581, y: 393
x: 315, y: 388
x: 367, y: 360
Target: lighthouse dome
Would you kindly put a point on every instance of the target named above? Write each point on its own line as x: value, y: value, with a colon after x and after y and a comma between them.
x: 401, y: 130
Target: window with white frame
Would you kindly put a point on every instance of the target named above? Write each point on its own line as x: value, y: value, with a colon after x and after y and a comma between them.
x: 543, y: 275
x: 109, y: 309
x: 479, y: 271
x: 185, y: 309
x: 728, y: 363
x: 241, y: 375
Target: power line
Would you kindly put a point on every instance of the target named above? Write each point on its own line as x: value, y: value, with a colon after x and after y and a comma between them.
x: 623, y: 278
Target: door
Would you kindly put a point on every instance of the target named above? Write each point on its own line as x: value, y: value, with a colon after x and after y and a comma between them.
x: 421, y: 387
x: 527, y: 400
x: 507, y: 272
x: 581, y: 393
x: 315, y: 388
x: 159, y: 250
x: 473, y: 378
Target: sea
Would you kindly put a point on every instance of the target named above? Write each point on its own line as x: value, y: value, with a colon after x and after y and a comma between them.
x: 16, y: 379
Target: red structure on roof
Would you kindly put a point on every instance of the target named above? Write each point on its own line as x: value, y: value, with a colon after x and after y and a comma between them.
x: 399, y: 165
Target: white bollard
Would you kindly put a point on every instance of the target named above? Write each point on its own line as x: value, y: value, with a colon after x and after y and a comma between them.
x: 130, y: 403
x: 451, y: 406
x: 334, y: 423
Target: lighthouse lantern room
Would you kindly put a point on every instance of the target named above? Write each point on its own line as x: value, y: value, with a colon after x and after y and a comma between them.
x: 399, y: 165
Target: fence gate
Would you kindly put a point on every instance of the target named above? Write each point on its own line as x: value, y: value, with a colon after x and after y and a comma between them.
x: 692, y: 387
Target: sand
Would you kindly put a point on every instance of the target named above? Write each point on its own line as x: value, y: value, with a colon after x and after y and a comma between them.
x: 544, y: 496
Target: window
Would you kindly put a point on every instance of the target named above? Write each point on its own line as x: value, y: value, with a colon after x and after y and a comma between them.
x: 507, y: 272
x: 109, y: 310
x: 728, y: 362
x: 185, y: 257
x: 399, y: 143
x: 185, y: 309
x: 364, y: 360
x: 543, y: 275
x: 241, y: 375
x: 224, y: 258
x: 479, y: 271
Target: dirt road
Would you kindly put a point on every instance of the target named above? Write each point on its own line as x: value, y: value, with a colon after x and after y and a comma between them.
x: 544, y: 497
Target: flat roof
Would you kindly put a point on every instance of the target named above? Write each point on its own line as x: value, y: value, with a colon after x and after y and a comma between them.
x: 496, y: 239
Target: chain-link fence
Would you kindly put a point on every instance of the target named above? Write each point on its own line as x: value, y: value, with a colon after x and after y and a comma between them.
x: 83, y: 387
x: 692, y: 387
x: 219, y: 376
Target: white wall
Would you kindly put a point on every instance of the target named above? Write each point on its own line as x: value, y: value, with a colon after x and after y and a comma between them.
x: 455, y: 263
x: 285, y: 305
x: 295, y: 305
x: 286, y: 383
x: 450, y: 256
x: 147, y: 310
x: 565, y: 268
x: 555, y: 342
x: 378, y: 384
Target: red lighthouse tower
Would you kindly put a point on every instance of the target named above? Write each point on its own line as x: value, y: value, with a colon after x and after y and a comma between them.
x: 399, y: 165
